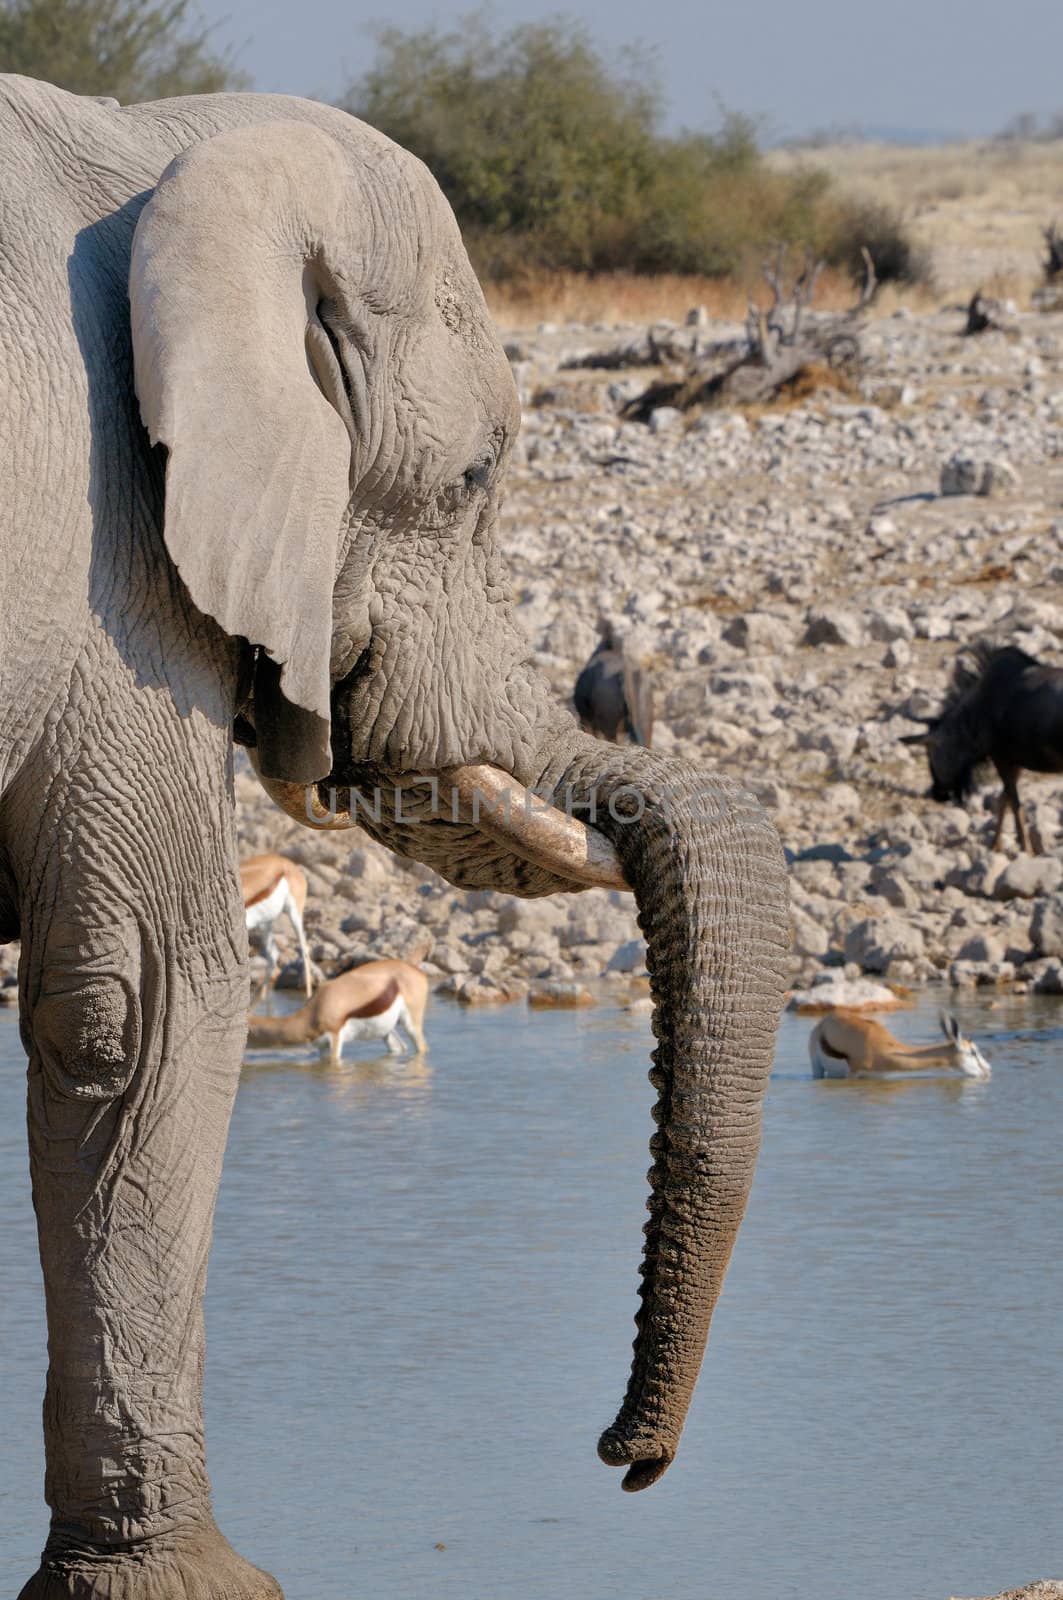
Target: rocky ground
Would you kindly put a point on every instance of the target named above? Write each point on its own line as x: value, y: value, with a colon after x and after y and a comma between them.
x: 1045, y: 1589
x: 798, y: 584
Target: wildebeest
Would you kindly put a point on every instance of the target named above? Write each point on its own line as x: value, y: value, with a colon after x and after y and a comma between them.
x: 613, y: 696
x: 1006, y: 708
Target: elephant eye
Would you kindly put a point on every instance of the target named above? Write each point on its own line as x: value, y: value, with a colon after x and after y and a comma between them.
x: 478, y: 475
x: 476, y: 479
x: 345, y: 377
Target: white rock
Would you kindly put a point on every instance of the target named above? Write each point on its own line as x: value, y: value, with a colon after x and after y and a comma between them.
x: 980, y: 974
x: 899, y: 654
x: 546, y: 915
x: 665, y: 418
x: 1047, y: 976
x: 890, y: 624
x: 1046, y: 929
x: 967, y: 473
x: 811, y: 936
x: 1028, y: 876
x: 983, y: 948
x: 834, y: 627
x: 760, y: 633
x: 877, y: 941
x: 843, y: 797
x: 629, y: 957
x: 838, y: 990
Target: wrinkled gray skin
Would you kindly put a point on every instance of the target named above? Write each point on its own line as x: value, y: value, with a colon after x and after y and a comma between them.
x: 346, y: 521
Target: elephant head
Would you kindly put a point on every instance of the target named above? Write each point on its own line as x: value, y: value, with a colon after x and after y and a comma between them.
x: 314, y: 353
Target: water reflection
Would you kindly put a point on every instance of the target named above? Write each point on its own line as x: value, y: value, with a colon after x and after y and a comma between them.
x: 887, y: 1085
x: 409, y: 1077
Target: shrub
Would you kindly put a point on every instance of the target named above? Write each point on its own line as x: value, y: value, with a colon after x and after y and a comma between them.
x: 527, y: 133
x: 882, y: 230
x: 553, y: 159
x: 129, y: 49
x: 1027, y: 128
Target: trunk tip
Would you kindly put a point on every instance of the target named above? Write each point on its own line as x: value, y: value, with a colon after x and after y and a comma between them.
x: 616, y: 1451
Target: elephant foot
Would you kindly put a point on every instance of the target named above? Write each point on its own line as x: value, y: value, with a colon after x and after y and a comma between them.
x: 191, y: 1566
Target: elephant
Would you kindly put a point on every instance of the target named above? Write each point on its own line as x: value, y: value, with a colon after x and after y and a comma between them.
x: 256, y: 427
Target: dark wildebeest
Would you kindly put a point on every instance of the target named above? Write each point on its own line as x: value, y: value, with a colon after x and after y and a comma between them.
x: 613, y: 696
x: 1008, y: 709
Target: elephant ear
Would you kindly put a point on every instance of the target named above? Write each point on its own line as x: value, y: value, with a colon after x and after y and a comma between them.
x: 228, y: 266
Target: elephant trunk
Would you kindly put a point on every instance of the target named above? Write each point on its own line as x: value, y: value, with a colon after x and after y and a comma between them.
x: 707, y: 873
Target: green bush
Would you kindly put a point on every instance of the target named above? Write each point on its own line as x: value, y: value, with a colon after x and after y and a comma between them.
x: 527, y: 133
x: 883, y: 231
x: 554, y: 159
x: 129, y: 49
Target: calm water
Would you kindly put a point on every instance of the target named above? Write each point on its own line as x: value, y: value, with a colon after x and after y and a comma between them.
x: 420, y: 1311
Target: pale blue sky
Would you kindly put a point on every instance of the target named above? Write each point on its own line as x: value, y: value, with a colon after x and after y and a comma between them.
x: 964, y: 66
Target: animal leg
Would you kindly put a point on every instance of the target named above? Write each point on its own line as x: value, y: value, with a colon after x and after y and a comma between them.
x: 1011, y: 799
x: 825, y: 1062
x: 300, y: 933
x: 394, y: 1043
x: 1002, y: 806
x: 261, y: 995
x: 412, y: 1026
x: 134, y: 1011
x: 273, y: 963
x: 1020, y: 828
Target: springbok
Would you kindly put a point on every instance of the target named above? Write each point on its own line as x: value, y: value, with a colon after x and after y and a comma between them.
x: 368, y: 1002
x: 275, y: 886
x: 848, y: 1043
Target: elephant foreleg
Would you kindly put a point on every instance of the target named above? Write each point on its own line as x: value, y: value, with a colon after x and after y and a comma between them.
x: 134, y: 989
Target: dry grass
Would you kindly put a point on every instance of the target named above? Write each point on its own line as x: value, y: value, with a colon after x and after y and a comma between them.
x: 814, y: 376
x: 992, y: 572
x: 978, y: 207
x: 617, y: 297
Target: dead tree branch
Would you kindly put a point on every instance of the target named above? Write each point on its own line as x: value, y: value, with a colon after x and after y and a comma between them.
x: 984, y: 314
x: 782, y: 342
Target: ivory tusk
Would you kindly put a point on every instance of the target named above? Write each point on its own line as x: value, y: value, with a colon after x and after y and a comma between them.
x: 499, y: 807
x: 538, y: 832
x: 302, y: 802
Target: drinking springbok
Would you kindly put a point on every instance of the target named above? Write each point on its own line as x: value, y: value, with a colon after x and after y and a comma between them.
x: 368, y: 1002
x: 273, y: 886
x: 849, y: 1044
x: 1006, y: 709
